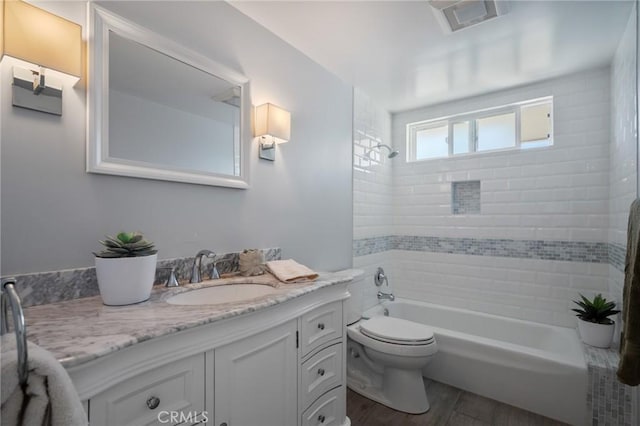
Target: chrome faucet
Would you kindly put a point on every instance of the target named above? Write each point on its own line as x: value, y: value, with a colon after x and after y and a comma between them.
x: 381, y: 278
x: 388, y: 296
x: 197, y: 265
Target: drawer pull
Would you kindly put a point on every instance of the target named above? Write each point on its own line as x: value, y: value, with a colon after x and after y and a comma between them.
x: 321, y: 418
x: 321, y: 371
x: 223, y: 424
x: 321, y: 326
x: 153, y: 402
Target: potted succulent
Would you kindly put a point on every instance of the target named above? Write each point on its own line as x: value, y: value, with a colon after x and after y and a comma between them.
x: 126, y: 269
x: 595, y: 326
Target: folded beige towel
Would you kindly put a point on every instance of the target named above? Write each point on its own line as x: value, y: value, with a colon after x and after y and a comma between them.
x: 290, y: 271
x: 49, y: 397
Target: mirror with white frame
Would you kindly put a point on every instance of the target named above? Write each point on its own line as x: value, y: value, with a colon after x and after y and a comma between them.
x: 158, y: 110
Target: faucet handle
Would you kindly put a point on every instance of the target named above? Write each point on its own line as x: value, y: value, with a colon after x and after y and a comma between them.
x: 172, y: 281
x: 380, y: 277
x: 214, y: 275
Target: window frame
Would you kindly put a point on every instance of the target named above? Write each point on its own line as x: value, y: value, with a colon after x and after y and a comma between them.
x: 472, y: 118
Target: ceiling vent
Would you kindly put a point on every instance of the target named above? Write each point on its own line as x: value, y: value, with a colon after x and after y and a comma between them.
x: 455, y: 15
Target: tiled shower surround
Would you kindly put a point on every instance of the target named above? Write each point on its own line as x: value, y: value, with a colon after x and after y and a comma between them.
x: 541, y: 237
x: 622, y: 150
x: 552, y: 221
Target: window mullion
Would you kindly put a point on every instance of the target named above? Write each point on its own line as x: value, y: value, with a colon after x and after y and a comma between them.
x: 450, y: 138
x: 473, y: 136
x: 517, y: 126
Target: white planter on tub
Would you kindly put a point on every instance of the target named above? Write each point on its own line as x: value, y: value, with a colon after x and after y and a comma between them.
x: 125, y: 280
x: 594, y: 334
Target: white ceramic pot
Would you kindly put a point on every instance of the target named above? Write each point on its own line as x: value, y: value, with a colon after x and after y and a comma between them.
x: 598, y: 335
x: 126, y: 280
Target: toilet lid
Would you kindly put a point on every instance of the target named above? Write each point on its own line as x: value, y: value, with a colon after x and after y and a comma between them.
x: 396, y: 330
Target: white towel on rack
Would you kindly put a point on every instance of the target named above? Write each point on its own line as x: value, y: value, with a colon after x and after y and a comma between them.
x: 49, y: 399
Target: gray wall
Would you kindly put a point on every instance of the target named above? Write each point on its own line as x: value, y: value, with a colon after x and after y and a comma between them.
x: 53, y: 213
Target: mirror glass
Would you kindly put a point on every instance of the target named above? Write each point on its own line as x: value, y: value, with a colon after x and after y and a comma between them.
x: 161, y: 111
x: 170, y: 114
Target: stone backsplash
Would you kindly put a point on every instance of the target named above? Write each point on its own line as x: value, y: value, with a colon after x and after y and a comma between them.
x: 55, y: 286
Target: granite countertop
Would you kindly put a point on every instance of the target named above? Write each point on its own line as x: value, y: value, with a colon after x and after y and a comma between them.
x: 81, y: 330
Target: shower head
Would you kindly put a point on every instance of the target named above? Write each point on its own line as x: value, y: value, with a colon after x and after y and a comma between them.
x: 392, y: 153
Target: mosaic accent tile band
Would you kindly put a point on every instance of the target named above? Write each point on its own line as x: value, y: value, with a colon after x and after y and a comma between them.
x: 617, y: 254
x: 572, y: 251
x: 56, y: 286
x: 365, y: 246
x: 577, y: 251
x: 609, y: 402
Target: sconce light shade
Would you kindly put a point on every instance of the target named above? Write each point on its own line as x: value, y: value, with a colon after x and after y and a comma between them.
x: 41, y: 38
x: 273, y: 121
x: 273, y: 125
x: 46, y: 41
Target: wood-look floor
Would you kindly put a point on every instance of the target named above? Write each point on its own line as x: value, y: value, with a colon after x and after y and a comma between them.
x: 449, y: 407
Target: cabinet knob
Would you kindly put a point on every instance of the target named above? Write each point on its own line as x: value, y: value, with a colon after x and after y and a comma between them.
x: 321, y: 371
x: 321, y: 326
x: 321, y: 418
x: 223, y: 424
x: 153, y: 402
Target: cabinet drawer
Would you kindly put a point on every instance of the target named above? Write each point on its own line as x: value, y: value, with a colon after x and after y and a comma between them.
x: 176, y: 388
x: 320, y: 326
x: 320, y: 373
x: 326, y: 411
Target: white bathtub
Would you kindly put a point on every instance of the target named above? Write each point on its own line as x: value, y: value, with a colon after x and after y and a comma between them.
x: 537, y: 367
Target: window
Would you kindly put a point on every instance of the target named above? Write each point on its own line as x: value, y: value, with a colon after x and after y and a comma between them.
x: 431, y: 142
x: 461, y: 138
x: 522, y: 125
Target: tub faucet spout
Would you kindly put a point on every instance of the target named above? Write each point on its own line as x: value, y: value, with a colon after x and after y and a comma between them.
x: 387, y: 296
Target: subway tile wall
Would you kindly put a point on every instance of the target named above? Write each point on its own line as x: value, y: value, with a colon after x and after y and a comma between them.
x: 622, y: 153
x: 528, y: 289
x: 557, y: 195
x: 372, y: 191
x: 372, y: 180
x: 369, y: 263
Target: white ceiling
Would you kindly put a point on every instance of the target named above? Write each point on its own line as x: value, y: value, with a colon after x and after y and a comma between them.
x: 397, y: 52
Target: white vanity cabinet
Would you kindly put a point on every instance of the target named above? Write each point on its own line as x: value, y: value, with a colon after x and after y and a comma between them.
x: 279, y: 366
x: 255, y: 379
x: 322, y: 388
x: 151, y: 398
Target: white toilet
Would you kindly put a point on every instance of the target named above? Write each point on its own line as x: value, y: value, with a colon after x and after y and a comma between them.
x: 385, y: 357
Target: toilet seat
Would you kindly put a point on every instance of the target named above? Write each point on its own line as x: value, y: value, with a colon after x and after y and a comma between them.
x: 397, y: 331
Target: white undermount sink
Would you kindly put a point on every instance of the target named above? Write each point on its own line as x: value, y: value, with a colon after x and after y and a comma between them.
x: 221, y: 294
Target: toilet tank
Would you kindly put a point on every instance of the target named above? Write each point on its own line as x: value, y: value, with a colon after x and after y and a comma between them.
x: 354, y: 304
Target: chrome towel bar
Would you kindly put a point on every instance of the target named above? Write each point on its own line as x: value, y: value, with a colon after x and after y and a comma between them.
x: 11, y: 299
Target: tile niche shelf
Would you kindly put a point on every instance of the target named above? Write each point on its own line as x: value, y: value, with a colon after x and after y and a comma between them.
x: 465, y: 197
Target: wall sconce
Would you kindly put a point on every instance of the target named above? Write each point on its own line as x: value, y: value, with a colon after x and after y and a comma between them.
x: 43, y: 40
x: 273, y: 125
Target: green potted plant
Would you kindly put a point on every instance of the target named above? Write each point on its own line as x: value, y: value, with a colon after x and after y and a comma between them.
x: 126, y: 269
x: 595, y: 326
